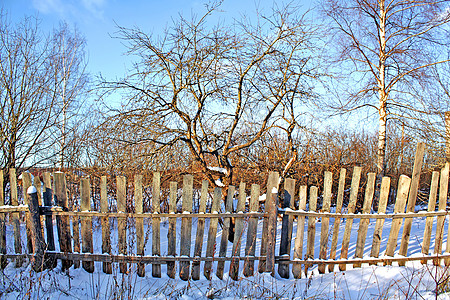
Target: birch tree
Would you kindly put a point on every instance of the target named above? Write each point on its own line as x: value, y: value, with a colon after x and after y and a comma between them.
x: 388, y: 48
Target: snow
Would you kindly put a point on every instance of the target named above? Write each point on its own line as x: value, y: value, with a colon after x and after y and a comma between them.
x: 218, y: 169
x: 31, y: 190
x: 218, y: 182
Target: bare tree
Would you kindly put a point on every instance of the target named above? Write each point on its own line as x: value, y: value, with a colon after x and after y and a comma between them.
x: 216, y: 90
x: 388, y: 48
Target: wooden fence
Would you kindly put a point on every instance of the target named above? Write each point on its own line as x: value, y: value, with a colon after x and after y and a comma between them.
x: 75, y: 243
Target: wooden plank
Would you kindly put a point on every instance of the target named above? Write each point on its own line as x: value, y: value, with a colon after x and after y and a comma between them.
x: 250, y: 246
x: 443, y: 192
x: 272, y: 225
x: 156, y: 238
x: 350, y: 209
x: 3, y: 261
x: 364, y: 223
x: 337, y: 221
x: 15, y: 216
x: 172, y: 234
x: 311, y: 226
x: 431, y: 208
x: 210, y: 246
x: 238, y: 232
x: 86, y: 223
x: 200, y: 231
x: 39, y: 245
x: 264, y: 234
x: 122, y: 222
x: 76, y: 231
x: 106, y: 239
x: 62, y: 222
x: 139, y: 208
x: 286, y: 229
x: 26, y: 183
x: 186, y: 226
x: 298, y: 245
x: 415, y: 179
x: 47, y: 201
x: 404, y: 183
x: 225, y: 231
x: 326, y: 204
x: 38, y: 185
x: 382, y: 203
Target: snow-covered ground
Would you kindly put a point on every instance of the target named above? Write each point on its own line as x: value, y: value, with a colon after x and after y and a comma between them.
x: 415, y: 281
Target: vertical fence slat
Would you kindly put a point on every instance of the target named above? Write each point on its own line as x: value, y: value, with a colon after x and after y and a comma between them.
x: 26, y: 183
x: 364, y: 223
x: 286, y: 229
x: 86, y: 223
x: 429, y: 220
x: 106, y: 239
x: 404, y: 183
x: 415, y: 178
x: 38, y: 185
x: 156, y: 236
x: 443, y: 191
x: 76, y: 232
x: 225, y: 231
x: 382, y: 203
x: 311, y: 226
x: 326, y: 204
x: 350, y: 209
x: 122, y: 221
x: 238, y: 232
x: 36, y: 229
x: 63, y: 223
x: 139, y: 208
x: 250, y: 247
x: 212, y: 233
x: 272, y: 224
x: 15, y: 216
x: 186, y: 226
x: 172, y: 234
x: 200, y: 231
x: 337, y: 221
x: 47, y: 200
x: 3, y: 261
x: 298, y: 244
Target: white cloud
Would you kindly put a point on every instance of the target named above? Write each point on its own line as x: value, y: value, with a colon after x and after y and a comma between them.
x: 49, y: 6
x: 78, y: 9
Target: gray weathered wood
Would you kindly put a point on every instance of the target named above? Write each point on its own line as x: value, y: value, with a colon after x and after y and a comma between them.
x: 122, y: 222
x: 75, y: 232
x: 286, y: 229
x: 415, y: 178
x: 26, y: 183
x: 62, y: 222
x: 139, y: 208
x: 337, y: 221
x: 47, y: 201
x: 250, y: 246
x: 238, y: 232
x: 36, y: 230
x: 15, y: 216
x: 3, y: 261
x: 429, y: 221
x: 200, y: 231
x: 443, y: 191
x: 311, y: 226
x: 172, y: 234
x: 326, y: 204
x: 272, y: 224
x: 364, y: 223
x: 86, y: 223
x: 106, y: 239
x: 156, y: 237
x: 298, y: 245
x: 210, y: 246
x: 404, y: 183
x: 225, y: 231
x: 186, y: 226
x: 382, y: 203
x: 350, y: 209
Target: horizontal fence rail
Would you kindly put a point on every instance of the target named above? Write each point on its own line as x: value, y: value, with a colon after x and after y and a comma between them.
x: 220, y: 229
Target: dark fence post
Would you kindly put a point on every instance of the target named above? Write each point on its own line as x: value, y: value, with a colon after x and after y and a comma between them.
x: 36, y: 230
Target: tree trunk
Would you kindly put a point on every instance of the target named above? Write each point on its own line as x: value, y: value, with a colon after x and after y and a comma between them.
x: 382, y: 95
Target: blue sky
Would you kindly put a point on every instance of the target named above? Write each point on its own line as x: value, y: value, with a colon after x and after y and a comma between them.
x: 97, y: 19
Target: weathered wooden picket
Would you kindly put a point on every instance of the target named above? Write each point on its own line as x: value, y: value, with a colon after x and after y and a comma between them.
x: 296, y: 259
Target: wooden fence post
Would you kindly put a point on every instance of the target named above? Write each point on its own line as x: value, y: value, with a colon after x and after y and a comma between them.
x: 106, y: 240
x: 250, y: 247
x: 47, y: 200
x: 86, y: 223
x: 156, y: 238
x: 286, y: 229
x: 122, y: 221
x: 326, y: 204
x: 15, y: 216
x: 298, y: 246
x: 3, y: 261
x: 443, y: 191
x: 26, y: 183
x: 186, y: 226
x: 382, y: 203
x: 210, y: 246
x: 36, y: 230
x: 63, y: 224
x: 200, y: 231
x: 172, y: 234
x: 225, y: 231
x: 431, y: 208
x: 272, y: 224
x: 311, y: 226
x: 238, y: 231
x: 139, y: 209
